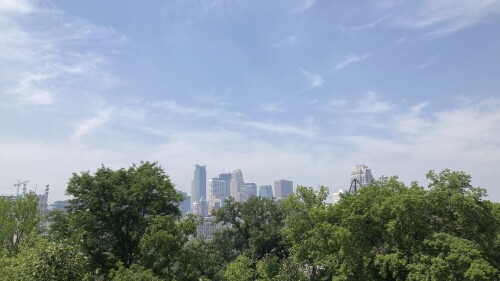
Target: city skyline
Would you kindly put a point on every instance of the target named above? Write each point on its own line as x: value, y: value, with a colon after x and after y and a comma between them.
x: 293, y: 89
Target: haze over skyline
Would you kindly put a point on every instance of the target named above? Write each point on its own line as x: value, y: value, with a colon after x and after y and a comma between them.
x: 300, y: 90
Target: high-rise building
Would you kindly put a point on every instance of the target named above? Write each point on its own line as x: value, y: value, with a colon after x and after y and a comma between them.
x: 218, y: 193
x: 59, y: 205
x: 199, y: 185
x: 362, y: 174
x: 200, y: 207
x: 336, y: 196
x: 236, y: 182
x: 227, y: 178
x: 247, y: 190
x: 185, y: 205
x: 266, y: 191
x: 282, y: 189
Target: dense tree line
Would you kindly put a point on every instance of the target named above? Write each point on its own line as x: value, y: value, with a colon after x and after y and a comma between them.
x: 125, y: 225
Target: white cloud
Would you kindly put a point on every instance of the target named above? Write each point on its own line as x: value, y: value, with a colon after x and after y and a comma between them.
x: 303, y: 6
x: 429, y: 62
x: 371, y: 103
x: 174, y: 107
x: 16, y: 6
x: 291, y: 40
x: 369, y: 25
x: 314, y: 80
x: 351, y: 59
x: 282, y: 129
x: 86, y: 126
x: 441, y: 17
x: 274, y: 107
x: 43, y: 58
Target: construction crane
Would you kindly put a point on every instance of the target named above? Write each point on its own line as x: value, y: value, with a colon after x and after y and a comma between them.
x: 19, y: 184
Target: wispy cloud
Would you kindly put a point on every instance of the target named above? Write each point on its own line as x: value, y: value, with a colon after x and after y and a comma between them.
x: 429, y: 62
x: 45, y: 63
x: 441, y: 17
x: 278, y: 128
x: 362, y: 27
x: 274, y: 107
x: 291, y: 40
x: 314, y: 80
x: 86, y: 126
x: 174, y: 107
x: 303, y: 6
x: 371, y: 103
x: 350, y: 59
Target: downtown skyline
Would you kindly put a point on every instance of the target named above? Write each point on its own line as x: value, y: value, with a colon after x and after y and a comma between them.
x: 299, y: 90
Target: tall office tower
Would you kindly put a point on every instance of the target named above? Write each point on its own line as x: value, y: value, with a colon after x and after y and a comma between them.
x: 282, y: 188
x: 199, y: 184
x: 247, y: 190
x: 200, y: 207
x: 227, y: 178
x: 185, y: 205
x: 336, y: 196
x: 236, y: 182
x: 266, y: 191
x: 217, y: 193
x: 362, y: 174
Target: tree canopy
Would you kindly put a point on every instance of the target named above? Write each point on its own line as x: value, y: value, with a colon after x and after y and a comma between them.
x: 125, y: 225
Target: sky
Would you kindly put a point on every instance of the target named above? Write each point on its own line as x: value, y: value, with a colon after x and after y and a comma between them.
x: 294, y: 89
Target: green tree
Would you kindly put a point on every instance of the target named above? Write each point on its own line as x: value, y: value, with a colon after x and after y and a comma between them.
x: 133, y: 273
x: 110, y: 210
x: 40, y: 259
x: 242, y: 269
x: 256, y: 226
x: 18, y: 219
x: 162, y: 243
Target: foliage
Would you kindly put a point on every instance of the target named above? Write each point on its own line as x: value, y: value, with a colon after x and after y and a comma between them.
x: 40, y: 259
x: 257, y: 226
x: 111, y: 210
x: 162, y: 243
x: 133, y: 273
x: 18, y: 219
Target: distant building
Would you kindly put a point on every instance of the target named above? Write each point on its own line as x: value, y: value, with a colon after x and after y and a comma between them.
x: 200, y: 207
x: 185, y: 205
x: 206, y: 229
x: 266, y: 191
x: 60, y: 205
x: 199, y: 184
x: 236, y: 183
x: 282, y: 189
x: 226, y: 177
x: 247, y: 190
x: 218, y: 193
x: 336, y: 196
x: 362, y: 174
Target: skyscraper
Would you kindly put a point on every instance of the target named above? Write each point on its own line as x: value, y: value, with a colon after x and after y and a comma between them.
x: 266, y: 191
x: 282, y: 188
x: 227, y: 178
x: 185, y: 205
x: 363, y: 174
x: 218, y: 193
x: 199, y: 184
x: 247, y: 190
x: 336, y: 196
x: 236, y: 182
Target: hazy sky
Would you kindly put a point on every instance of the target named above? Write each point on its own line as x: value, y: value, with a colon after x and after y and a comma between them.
x: 301, y: 89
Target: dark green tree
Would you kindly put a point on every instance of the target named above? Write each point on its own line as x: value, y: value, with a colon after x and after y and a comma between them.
x: 18, y: 219
x: 110, y: 210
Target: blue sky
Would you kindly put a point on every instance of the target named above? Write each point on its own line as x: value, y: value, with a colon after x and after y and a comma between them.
x: 299, y: 89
